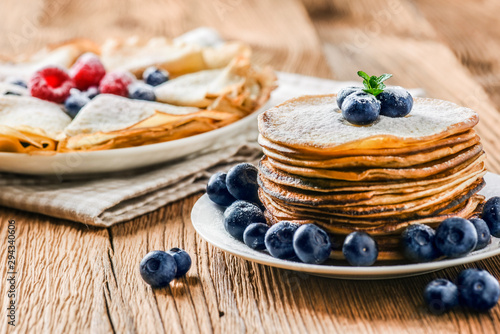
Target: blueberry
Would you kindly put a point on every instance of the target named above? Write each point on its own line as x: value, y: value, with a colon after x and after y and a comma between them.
x: 158, y: 268
x: 239, y: 215
x: 312, y: 244
x: 483, y: 232
x: 478, y: 289
x: 241, y: 182
x: 395, y: 102
x: 441, y: 295
x: 217, y: 190
x: 279, y: 240
x: 254, y: 236
x: 92, y: 92
x: 182, y: 259
x: 418, y: 243
x: 361, y: 108
x: 141, y: 91
x: 360, y: 249
x: 75, y: 102
x: 491, y: 215
x: 154, y: 76
x: 18, y: 82
x: 456, y: 237
x: 345, y: 92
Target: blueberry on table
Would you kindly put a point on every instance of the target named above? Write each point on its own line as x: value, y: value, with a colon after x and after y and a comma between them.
x: 441, y: 295
x: 312, y: 244
x: 217, y: 190
x: 241, y: 182
x: 361, y: 108
x: 478, y: 289
x: 254, y: 236
x: 456, y: 237
x: 345, y: 92
x: 491, y: 215
x: 239, y: 215
x: 75, y: 102
x: 154, y: 76
x: 483, y: 233
x: 279, y: 240
x: 360, y: 249
x: 418, y: 245
x: 158, y: 269
x: 395, y: 102
x: 141, y: 91
x: 182, y: 259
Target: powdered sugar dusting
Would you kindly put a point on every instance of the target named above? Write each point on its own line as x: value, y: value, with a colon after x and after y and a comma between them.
x: 316, y: 121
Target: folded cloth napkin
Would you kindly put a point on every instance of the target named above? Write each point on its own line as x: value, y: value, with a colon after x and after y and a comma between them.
x: 104, y: 200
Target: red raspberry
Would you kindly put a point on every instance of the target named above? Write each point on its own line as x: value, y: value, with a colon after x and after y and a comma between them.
x: 51, y: 84
x: 87, y: 71
x: 116, y: 83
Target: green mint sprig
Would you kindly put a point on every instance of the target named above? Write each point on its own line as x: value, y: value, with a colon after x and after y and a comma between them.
x: 373, y: 85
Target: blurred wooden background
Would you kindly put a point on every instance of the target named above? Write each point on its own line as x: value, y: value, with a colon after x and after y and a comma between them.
x: 73, y: 278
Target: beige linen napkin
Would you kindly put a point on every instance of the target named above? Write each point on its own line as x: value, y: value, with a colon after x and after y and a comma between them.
x: 104, y: 200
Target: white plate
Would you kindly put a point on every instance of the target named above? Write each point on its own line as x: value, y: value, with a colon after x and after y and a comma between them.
x: 208, y: 220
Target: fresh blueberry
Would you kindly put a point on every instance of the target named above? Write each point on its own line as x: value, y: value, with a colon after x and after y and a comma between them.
x: 241, y: 182
x: 395, y: 102
x: 154, y: 76
x: 141, y: 91
x: 279, y: 240
x: 254, y: 236
x: 478, y: 289
x: 418, y: 243
x: 361, y: 108
x: 311, y: 244
x: 92, y: 92
x: 239, y: 215
x: 217, y: 190
x: 360, y: 249
x: 345, y: 92
x: 182, y: 259
x: 441, y: 295
x: 158, y: 268
x: 18, y: 82
x: 483, y: 232
x: 456, y: 237
x: 75, y: 102
x: 491, y: 215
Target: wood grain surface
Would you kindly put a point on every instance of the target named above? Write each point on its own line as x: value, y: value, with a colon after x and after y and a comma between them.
x: 76, y: 279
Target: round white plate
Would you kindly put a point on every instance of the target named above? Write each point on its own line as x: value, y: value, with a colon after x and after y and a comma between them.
x: 121, y: 159
x: 208, y: 220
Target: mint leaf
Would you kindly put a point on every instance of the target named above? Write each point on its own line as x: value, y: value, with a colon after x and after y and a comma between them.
x: 383, y: 77
x: 373, y: 84
x: 363, y: 75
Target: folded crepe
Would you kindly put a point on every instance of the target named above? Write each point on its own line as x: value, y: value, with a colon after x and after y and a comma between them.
x: 30, y: 125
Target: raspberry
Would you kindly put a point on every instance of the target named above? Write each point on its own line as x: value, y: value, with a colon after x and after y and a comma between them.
x: 116, y: 83
x: 87, y: 71
x: 51, y: 84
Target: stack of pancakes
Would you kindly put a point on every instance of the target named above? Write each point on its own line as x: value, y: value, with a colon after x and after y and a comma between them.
x: 318, y: 168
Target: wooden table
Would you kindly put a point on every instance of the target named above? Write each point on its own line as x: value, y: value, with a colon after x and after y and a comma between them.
x: 73, y: 278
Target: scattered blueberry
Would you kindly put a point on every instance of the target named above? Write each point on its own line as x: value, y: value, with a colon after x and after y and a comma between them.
x: 491, y: 215
x: 441, y: 295
x: 17, y: 82
x: 345, y: 92
x: 217, y: 190
x: 395, y: 102
x: 279, y: 240
x: 418, y: 243
x: 154, y: 76
x: 483, y: 232
x: 456, y: 237
x: 311, y: 244
x: 361, y: 108
x: 360, y: 249
x: 141, y: 91
x: 182, y: 259
x: 75, y: 102
x: 92, y: 92
x: 254, y: 236
x: 478, y: 289
x: 239, y: 215
x: 158, y: 268
x: 241, y: 182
